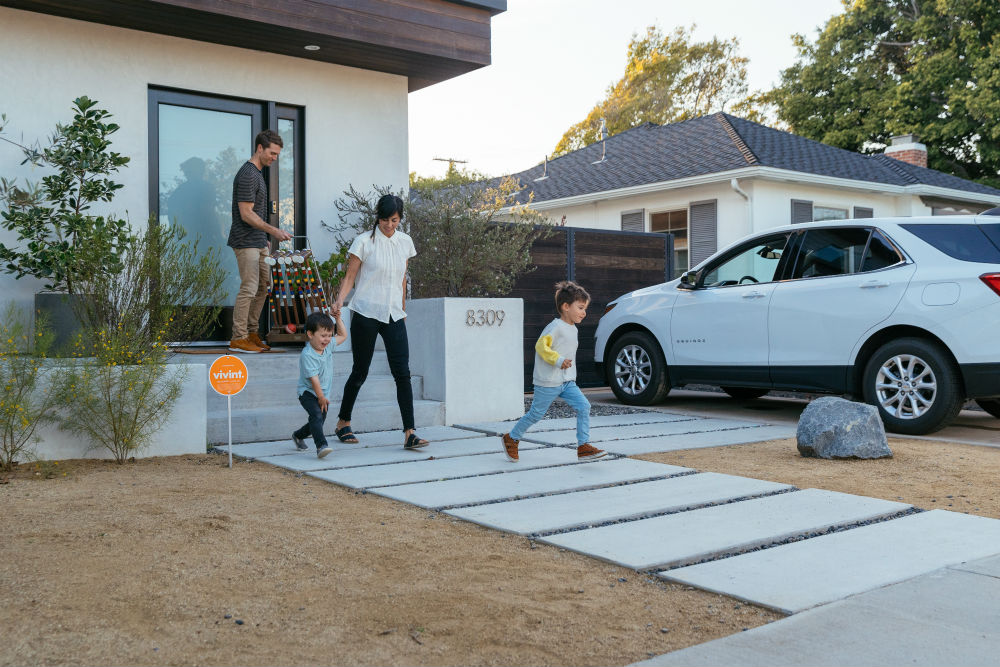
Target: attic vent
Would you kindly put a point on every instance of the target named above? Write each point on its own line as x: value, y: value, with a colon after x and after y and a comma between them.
x: 634, y: 221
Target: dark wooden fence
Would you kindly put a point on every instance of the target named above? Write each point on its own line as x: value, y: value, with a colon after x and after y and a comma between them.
x: 607, y: 263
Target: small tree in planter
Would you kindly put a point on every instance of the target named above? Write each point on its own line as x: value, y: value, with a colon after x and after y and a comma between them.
x: 58, y: 239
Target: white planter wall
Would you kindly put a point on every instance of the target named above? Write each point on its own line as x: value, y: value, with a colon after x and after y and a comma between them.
x: 184, y: 432
x: 477, y: 369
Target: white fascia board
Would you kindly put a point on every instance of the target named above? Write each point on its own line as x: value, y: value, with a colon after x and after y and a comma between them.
x: 771, y: 174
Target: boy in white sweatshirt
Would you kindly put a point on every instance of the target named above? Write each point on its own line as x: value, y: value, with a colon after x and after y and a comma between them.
x: 555, y: 373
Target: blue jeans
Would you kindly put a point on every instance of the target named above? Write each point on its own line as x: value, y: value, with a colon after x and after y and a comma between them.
x: 567, y: 391
x: 317, y: 418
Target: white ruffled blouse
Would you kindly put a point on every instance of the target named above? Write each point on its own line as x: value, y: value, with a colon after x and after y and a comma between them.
x: 378, y: 287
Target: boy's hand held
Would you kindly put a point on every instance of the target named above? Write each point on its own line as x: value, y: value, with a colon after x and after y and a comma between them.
x: 324, y: 403
x: 566, y: 363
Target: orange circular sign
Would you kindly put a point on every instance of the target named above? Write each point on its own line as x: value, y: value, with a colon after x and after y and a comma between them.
x: 228, y: 375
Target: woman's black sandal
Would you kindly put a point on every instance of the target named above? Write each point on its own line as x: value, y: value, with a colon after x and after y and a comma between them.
x: 414, y: 442
x: 345, y: 434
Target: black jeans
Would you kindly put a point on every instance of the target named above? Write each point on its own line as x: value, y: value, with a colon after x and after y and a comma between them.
x: 317, y: 418
x: 364, y: 331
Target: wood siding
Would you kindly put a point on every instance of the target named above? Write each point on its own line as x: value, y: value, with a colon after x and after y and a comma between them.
x: 607, y: 264
x: 425, y: 40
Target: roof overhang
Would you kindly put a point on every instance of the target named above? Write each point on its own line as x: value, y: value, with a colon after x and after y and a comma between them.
x: 427, y: 41
x: 770, y: 174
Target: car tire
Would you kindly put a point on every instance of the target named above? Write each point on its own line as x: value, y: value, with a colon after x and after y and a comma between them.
x: 637, y: 371
x: 933, y: 399
x: 745, y: 393
x: 991, y: 405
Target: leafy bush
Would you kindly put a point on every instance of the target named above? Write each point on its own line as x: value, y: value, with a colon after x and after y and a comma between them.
x: 116, y: 406
x: 57, y: 239
x: 25, y: 403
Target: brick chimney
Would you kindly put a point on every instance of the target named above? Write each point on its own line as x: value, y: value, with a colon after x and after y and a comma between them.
x: 906, y: 149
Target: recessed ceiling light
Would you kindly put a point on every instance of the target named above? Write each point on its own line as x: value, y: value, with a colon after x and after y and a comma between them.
x: 311, y: 47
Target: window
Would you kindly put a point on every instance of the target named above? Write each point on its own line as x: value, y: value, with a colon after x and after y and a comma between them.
x: 881, y: 253
x: 676, y: 223
x: 802, y: 211
x: 831, y: 252
x: 821, y: 213
x: 863, y: 212
x: 756, y: 263
x: 704, y: 236
x: 965, y: 242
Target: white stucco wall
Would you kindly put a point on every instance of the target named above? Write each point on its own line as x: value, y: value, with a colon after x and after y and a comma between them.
x: 355, y: 120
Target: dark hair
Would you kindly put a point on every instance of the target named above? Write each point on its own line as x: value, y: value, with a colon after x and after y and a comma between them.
x: 568, y: 291
x: 265, y: 138
x: 319, y: 320
x: 387, y: 206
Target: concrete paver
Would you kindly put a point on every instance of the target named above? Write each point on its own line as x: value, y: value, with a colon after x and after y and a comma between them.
x: 564, y: 423
x: 946, y: 617
x: 689, y: 537
x: 794, y: 577
x: 527, y: 482
x: 571, y: 510
x: 611, y: 433
x: 439, y: 469
x: 988, y: 566
x: 670, y: 443
x: 350, y: 456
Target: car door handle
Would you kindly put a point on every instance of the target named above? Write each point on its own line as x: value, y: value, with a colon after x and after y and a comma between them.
x: 753, y: 295
x: 871, y: 284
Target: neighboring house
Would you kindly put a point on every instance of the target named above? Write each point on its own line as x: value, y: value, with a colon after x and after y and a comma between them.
x: 191, y: 82
x: 714, y: 179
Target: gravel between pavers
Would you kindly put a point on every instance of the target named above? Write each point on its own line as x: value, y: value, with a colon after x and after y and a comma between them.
x: 560, y: 409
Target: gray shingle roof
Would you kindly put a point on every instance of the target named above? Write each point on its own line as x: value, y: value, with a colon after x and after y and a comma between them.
x: 710, y: 144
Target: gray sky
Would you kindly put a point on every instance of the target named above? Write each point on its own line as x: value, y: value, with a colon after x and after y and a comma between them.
x: 553, y: 60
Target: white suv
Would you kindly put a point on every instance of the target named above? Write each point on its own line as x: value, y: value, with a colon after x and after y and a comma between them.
x: 903, y: 312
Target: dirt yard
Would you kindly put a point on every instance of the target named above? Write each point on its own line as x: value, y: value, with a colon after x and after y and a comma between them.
x: 183, y: 561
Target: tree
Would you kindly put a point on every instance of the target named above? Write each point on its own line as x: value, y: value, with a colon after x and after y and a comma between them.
x: 886, y: 67
x: 454, y: 176
x: 668, y: 78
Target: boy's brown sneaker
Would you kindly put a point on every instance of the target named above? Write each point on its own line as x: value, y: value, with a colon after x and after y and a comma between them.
x: 256, y: 340
x: 244, y: 346
x: 587, y: 452
x: 509, y: 447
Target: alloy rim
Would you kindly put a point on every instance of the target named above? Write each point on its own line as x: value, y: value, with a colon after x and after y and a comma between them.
x: 905, y: 386
x: 633, y: 369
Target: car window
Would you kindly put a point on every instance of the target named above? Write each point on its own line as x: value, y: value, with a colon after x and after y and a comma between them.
x: 992, y: 230
x: 881, y: 253
x: 755, y: 263
x: 966, y: 242
x: 831, y: 252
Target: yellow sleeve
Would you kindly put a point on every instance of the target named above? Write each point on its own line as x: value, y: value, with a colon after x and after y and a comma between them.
x: 544, y: 349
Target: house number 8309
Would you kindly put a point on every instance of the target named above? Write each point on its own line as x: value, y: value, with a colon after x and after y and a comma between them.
x: 481, y: 318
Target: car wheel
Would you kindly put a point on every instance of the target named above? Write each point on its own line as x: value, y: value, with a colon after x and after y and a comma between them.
x: 915, y: 386
x: 991, y: 405
x: 745, y: 393
x: 637, y: 371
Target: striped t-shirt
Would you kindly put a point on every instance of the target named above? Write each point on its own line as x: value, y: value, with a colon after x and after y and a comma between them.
x: 248, y: 185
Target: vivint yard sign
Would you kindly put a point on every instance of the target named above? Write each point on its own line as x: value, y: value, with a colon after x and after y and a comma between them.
x: 228, y: 376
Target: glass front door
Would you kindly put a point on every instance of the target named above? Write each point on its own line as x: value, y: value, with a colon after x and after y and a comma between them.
x: 197, y: 144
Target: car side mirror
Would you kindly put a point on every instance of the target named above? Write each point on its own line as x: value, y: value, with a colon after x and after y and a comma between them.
x: 689, y: 280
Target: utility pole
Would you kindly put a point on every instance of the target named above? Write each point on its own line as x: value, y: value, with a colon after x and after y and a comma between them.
x: 451, y: 162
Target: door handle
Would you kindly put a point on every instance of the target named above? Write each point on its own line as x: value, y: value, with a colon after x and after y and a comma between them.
x: 753, y: 295
x: 871, y: 284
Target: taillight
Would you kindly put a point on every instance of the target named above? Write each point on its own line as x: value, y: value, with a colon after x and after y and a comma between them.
x: 992, y: 281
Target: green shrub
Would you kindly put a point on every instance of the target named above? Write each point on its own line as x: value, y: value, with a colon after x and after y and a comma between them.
x: 26, y: 403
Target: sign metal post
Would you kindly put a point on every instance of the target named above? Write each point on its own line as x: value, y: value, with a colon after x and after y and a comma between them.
x: 228, y: 376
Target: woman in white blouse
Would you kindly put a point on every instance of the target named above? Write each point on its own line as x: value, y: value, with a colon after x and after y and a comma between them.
x: 376, y: 267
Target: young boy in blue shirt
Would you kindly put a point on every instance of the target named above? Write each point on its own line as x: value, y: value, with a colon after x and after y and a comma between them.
x: 555, y: 374
x: 316, y: 378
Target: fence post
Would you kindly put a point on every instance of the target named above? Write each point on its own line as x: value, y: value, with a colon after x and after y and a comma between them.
x: 570, y: 259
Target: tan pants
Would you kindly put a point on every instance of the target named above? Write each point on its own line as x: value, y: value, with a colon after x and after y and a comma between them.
x: 255, y: 278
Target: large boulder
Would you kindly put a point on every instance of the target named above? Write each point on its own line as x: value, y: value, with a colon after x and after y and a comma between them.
x: 832, y: 428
